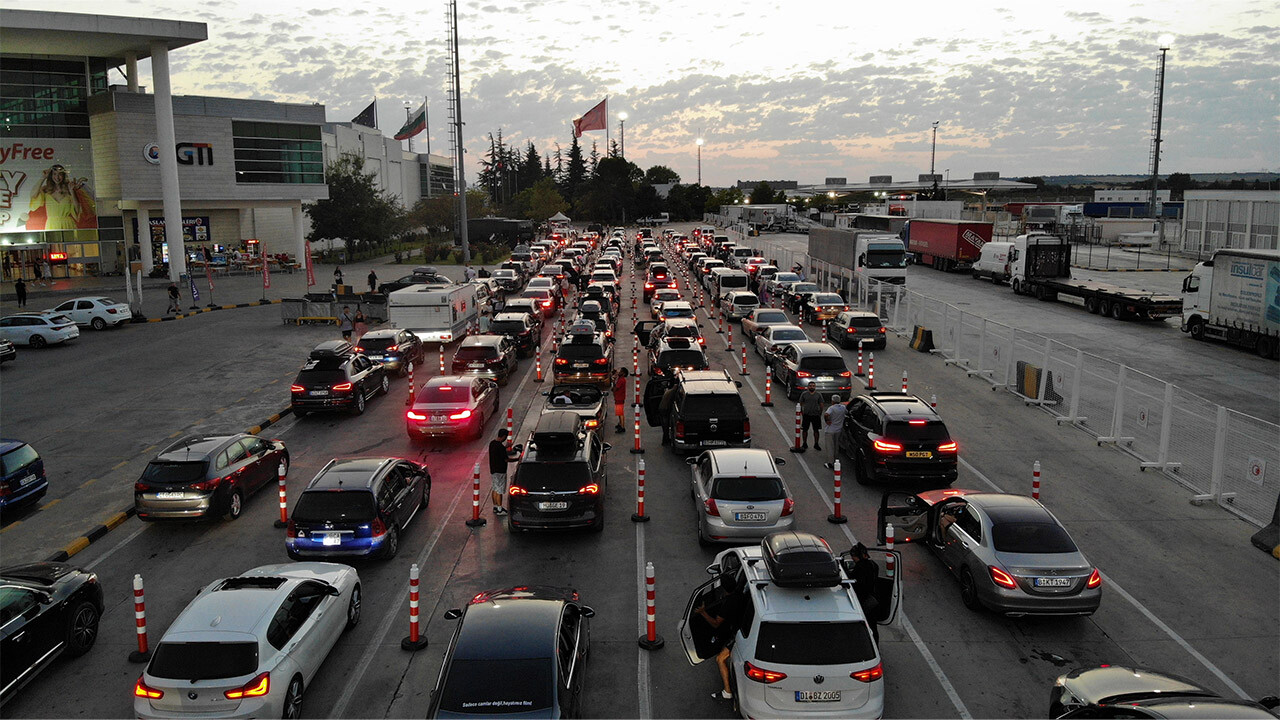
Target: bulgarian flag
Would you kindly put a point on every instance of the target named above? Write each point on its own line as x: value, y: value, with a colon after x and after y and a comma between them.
x: 416, y: 123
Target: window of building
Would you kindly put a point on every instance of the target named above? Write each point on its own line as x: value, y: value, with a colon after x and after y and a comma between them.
x: 277, y: 152
x: 44, y: 98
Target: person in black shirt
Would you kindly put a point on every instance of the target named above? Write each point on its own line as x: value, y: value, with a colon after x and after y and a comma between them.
x: 865, y: 572
x: 725, y: 617
x: 499, y: 456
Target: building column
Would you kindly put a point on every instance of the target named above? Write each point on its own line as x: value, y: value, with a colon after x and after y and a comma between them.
x: 131, y: 71
x: 300, y: 235
x: 144, y: 240
x: 166, y: 139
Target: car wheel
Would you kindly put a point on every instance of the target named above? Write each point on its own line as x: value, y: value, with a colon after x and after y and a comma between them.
x: 392, y: 547
x: 353, y: 608
x: 863, y: 472
x: 293, y: 699
x: 37, y: 341
x: 404, y: 369
x: 426, y: 495
x: 235, y: 505
x: 293, y: 555
x: 359, y: 406
x: 969, y: 590
x: 299, y: 414
x: 506, y: 378
x: 82, y: 628
x: 385, y: 386
x: 98, y: 324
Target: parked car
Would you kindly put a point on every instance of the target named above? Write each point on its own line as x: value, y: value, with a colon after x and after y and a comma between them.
x: 337, y: 377
x: 23, y: 481
x: 420, y: 276
x: 522, y: 328
x: 561, y: 478
x: 1009, y: 552
x: 584, y: 357
x: 823, y: 306
x: 772, y: 338
x: 676, y: 353
x: 38, y: 329
x: 539, y: 666
x: 706, y: 412
x: 798, y: 365
x: 250, y: 645
x: 587, y: 401
x: 8, y: 352
x: 760, y: 318
x: 1126, y: 691
x: 96, y: 312
x: 487, y: 356
x: 737, y: 304
x: 895, y: 437
x: 853, y: 326
x: 451, y: 405
x: 660, y: 296
x: 739, y: 495
x: 357, y: 507
x: 200, y: 477
x: 395, y: 348
x: 47, y: 609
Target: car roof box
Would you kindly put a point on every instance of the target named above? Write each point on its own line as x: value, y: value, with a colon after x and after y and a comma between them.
x: 332, y: 349
x: 800, y: 560
x: 558, y: 431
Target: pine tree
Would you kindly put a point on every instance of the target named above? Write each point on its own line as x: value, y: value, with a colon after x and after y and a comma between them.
x: 558, y: 174
x: 576, y: 172
x: 594, y: 160
x: 613, y: 149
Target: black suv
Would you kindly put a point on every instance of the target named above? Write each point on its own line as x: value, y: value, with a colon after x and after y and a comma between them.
x: 521, y: 327
x: 706, y: 412
x: 584, y: 357
x: 357, y: 508
x: 336, y: 377
x: 659, y: 277
x: 487, y: 356
x: 892, y: 436
x: 672, y: 353
x: 560, y: 480
x: 395, y: 348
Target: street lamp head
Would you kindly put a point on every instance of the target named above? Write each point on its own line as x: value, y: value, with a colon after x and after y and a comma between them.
x: 699, y: 141
x: 935, y: 124
x: 622, y: 115
x: 1165, y: 40
x: 832, y: 194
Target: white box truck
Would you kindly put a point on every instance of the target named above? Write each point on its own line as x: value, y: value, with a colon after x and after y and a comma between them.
x: 870, y: 254
x: 1235, y: 297
x: 435, y: 313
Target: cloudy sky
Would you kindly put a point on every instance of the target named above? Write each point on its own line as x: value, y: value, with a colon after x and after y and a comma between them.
x: 789, y: 90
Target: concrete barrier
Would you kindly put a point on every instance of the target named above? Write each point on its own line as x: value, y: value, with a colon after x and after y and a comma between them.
x: 922, y: 339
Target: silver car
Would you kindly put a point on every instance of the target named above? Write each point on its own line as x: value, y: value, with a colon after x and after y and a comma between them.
x: 761, y: 318
x: 249, y: 646
x: 738, y: 304
x: 1008, y: 551
x: 773, y: 338
x: 740, y: 495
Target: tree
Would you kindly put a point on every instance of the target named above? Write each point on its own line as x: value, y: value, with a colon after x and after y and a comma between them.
x: 436, y: 214
x: 1179, y: 183
x: 762, y: 194
x: 593, y: 160
x: 728, y: 196
x: 661, y: 175
x: 356, y: 210
x: 544, y: 200
x: 648, y: 204
x: 613, y: 149
x: 529, y: 168
x: 576, y: 171
x: 610, y: 197
x: 478, y: 203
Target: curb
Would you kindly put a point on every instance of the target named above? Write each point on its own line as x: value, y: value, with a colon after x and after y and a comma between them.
x: 201, y: 311
x: 1104, y: 269
x: 100, y: 531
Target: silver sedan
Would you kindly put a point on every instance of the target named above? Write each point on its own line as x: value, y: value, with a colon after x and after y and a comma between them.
x: 772, y: 337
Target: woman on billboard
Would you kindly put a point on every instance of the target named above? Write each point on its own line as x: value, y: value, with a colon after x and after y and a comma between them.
x: 61, y: 203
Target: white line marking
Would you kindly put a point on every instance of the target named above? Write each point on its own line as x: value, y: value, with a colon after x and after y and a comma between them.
x: 97, y: 561
x: 643, y: 682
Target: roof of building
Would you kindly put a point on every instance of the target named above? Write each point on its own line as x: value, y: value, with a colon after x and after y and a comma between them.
x: 35, y: 32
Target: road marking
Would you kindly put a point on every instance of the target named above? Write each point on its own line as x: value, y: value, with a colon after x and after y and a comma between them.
x: 10, y: 526
x: 51, y: 503
x: 88, y: 482
x: 176, y: 433
x: 120, y: 464
x: 112, y: 551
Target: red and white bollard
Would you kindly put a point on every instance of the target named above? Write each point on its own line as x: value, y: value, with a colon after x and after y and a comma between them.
x: 744, y: 370
x: 409, y: 400
x: 824, y: 330
x: 637, y: 450
x: 651, y: 640
x: 142, y: 654
x: 860, y: 373
x: 511, y: 424
x: 636, y: 384
x: 476, y: 520
x: 768, y: 386
x: 933, y: 401
x: 415, y: 641
x: 283, y: 522
x: 796, y: 447
x: 638, y: 515
x: 888, y: 536
x: 1035, y: 480
x: 537, y: 366
x: 889, y: 557
x: 837, y: 516
x: 730, y: 346
x: 871, y: 371
x: 635, y: 359
x: 441, y: 357
x: 904, y: 380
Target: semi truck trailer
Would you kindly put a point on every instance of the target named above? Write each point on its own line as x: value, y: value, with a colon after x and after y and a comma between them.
x: 872, y: 255
x: 946, y: 245
x: 1235, y: 297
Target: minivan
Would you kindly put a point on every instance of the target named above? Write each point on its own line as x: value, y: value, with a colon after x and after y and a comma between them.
x: 724, y: 280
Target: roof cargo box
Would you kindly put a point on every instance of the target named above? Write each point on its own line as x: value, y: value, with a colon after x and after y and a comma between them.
x: 332, y: 349
x: 557, y: 431
x: 800, y: 560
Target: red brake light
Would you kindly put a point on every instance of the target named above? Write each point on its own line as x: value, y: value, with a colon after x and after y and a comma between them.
x: 589, y: 489
x: 257, y: 687
x: 357, y: 348
x: 546, y: 303
x: 648, y: 286
x: 393, y: 348
x: 1002, y: 578
x: 342, y: 386
x: 761, y: 675
x: 869, y: 675
x: 788, y: 505
x: 1095, y: 579
x: 460, y: 415
x: 680, y: 428
x: 141, y: 689
x: 297, y: 388
x: 291, y: 530
x: 803, y: 373
x: 517, y: 490
x: 377, y: 528
x: 746, y: 429
x: 415, y: 416
x: 602, y: 361
x: 949, y: 447
x: 561, y: 361
x: 709, y: 505
x: 881, y: 331
x: 206, y: 484
x: 702, y: 341
x: 137, y: 487
x: 846, y: 373
x: 886, y: 447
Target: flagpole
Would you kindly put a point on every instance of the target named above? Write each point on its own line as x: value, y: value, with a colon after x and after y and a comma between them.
x: 606, y: 126
x: 426, y: 122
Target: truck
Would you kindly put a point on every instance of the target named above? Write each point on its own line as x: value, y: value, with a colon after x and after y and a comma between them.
x: 654, y: 221
x: 1040, y: 265
x: 946, y: 245
x: 436, y: 312
x: 872, y: 255
x: 1235, y: 297
x: 502, y: 230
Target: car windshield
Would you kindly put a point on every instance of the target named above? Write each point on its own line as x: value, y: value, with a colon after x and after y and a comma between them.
x: 204, y: 660
x: 748, y: 489
x: 552, y: 476
x: 683, y: 358
x: 792, y: 334
x: 18, y: 458
x: 334, y: 506
x: 167, y: 473
x: 449, y: 394
x: 886, y: 257
x: 507, y: 326
x: 825, y: 363
x: 674, y: 312
x: 773, y: 316
x: 733, y: 281
x: 814, y: 643
x: 475, y: 352
x: 1031, y: 537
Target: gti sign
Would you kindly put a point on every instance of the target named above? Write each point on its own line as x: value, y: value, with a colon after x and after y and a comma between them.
x: 188, y: 153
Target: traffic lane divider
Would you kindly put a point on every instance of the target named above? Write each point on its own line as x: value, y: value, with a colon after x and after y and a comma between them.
x: 201, y: 311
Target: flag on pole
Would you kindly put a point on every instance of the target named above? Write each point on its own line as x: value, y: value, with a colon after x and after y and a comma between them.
x: 595, y: 119
x: 416, y: 123
x: 311, y: 273
x: 369, y: 116
x: 266, y: 273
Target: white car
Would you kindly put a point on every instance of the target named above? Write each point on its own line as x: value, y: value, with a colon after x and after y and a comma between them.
x: 541, y: 282
x: 772, y: 337
x: 38, y: 329
x: 97, y: 312
x: 249, y: 645
x: 660, y: 296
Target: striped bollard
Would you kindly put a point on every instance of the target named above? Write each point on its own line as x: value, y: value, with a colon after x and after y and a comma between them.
x: 796, y: 447
x: 888, y: 536
x: 837, y: 516
x: 730, y: 346
x: 283, y: 522
x: 768, y: 386
x: 933, y: 401
x: 476, y: 520
x: 142, y: 654
x: 415, y: 641
x: 635, y: 359
x: 637, y: 450
x: 824, y: 330
x: 744, y: 370
x: 638, y: 515
x: 860, y: 373
x: 636, y: 385
x: 409, y: 400
x: 537, y: 366
x: 651, y: 639
x: 1035, y: 480
x: 720, y: 320
x: 511, y: 415
x: 442, y: 357
x: 904, y: 380
x: 871, y: 371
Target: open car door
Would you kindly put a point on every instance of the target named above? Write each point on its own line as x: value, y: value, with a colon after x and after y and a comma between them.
x: 643, y: 329
x: 908, y: 514
x: 888, y: 590
x: 695, y: 632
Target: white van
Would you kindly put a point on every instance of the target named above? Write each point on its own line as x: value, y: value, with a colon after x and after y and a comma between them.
x: 993, y: 262
x: 724, y: 280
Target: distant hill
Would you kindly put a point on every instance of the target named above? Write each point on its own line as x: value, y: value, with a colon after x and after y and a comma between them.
x: 1119, y: 179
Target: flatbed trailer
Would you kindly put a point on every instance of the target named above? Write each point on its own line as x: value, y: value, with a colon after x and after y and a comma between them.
x: 1041, y: 266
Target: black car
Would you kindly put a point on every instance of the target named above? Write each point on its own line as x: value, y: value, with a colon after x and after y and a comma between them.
x: 584, y: 357
x: 517, y: 651
x: 676, y: 353
x: 1120, y: 691
x: 525, y: 306
x: 207, y: 476
x: 7, y: 351
x: 659, y: 277
x: 487, y: 356
x: 416, y: 278
x: 706, y: 412
x: 395, y: 348
x: 22, y: 477
x: 521, y: 327
x: 560, y: 480
x: 357, y: 508
x: 337, y: 377
x: 46, y: 609
x: 854, y: 326
x: 892, y: 436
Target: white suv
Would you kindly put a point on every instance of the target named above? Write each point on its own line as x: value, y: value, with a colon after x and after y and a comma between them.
x: 802, y: 648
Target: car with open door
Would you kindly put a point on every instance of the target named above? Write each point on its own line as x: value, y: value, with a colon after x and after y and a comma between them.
x: 802, y: 646
x: 1009, y: 552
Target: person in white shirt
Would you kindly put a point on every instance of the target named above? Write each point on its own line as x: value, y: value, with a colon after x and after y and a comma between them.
x: 833, y: 424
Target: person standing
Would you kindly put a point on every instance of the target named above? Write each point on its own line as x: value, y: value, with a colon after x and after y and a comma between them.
x: 37, y: 269
x: 664, y: 411
x: 864, y: 575
x: 337, y: 277
x: 346, y: 322
x: 810, y: 415
x: 833, y: 424
x: 619, y: 397
x: 724, y: 617
x: 20, y: 288
x: 174, y: 299
x: 361, y: 323
x: 373, y: 281
x: 469, y: 273
x: 499, y: 456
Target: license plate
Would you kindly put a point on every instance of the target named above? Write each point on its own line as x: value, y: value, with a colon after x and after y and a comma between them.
x: 826, y: 378
x: 319, y: 392
x: 27, y: 480
x: 580, y: 366
x: 712, y: 443
x: 558, y: 505
x: 919, y: 454
x: 749, y: 516
x: 332, y: 539
x: 475, y: 365
x: 438, y: 418
x: 817, y: 696
x: 1053, y: 582
x: 376, y: 356
x: 170, y: 495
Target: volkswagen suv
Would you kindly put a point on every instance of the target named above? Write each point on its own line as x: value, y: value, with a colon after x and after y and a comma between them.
x: 560, y: 480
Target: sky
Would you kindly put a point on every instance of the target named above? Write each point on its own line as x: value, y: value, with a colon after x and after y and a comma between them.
x: 777, y: 90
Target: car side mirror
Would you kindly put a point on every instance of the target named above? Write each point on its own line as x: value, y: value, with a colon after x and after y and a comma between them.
x: 780, y: 461
x: 713, y: 569
x: 452, y: 614
x: 588, y: 612
x: 738, y: 383
x: 607, y: 447
x: 332, y: 591
x: 546, y: 392
x: 1270, y: 702
x: 691, y: 461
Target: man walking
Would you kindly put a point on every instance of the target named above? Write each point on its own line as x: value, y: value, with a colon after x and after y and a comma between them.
x: 373, y: 281
x: 499, y: 456
x: 20, y: 288
x: 346, y: 323
x: 810, y: 415
x: 174, y: 306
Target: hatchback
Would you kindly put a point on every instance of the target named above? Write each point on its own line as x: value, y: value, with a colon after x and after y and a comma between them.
x: 897, y: 437
x: 357, y: 507
x: 207, y: 476
x: 487, y: 356
x: 547, y: 300
x: 451, y: 405
x: 24, y: 480
x: 858, y: 326
x: 771, y: 339
x: 660, y: 296
x: 38, y: 329
x: 760, y: 318
x: 821, y: 307
x: 337, y: 377
x: 560, y: 480
x: 1125, y: 691
x: 675, y: 309
x: 802, y: 364
x: 395, y: 348
x: 738, y: 304
x: 96, y: 312
x: 739, y: 495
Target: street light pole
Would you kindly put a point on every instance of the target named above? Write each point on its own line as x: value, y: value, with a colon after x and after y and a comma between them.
x: 934, y: 152
x: 699, y: 142
x: 622, y: 135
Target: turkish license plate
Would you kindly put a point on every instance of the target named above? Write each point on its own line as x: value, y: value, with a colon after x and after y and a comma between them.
x: 580, y: 366
x: 826, y: 378
x: 319, y: 392
x: 817, y: 696
x: 919, y: 454
x: 27, y: 480
x: 376, y: 356
x: 1053, y: 582
x: 749, y: 516
x: 475, y: 365
x: 177, y: 495
x: 332, y: 539
x: 713, y: 443
x: 438, y: 417
x: 557, y: 505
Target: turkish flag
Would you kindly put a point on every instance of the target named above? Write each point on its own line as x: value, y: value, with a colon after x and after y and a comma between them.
x: 593, y: 120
